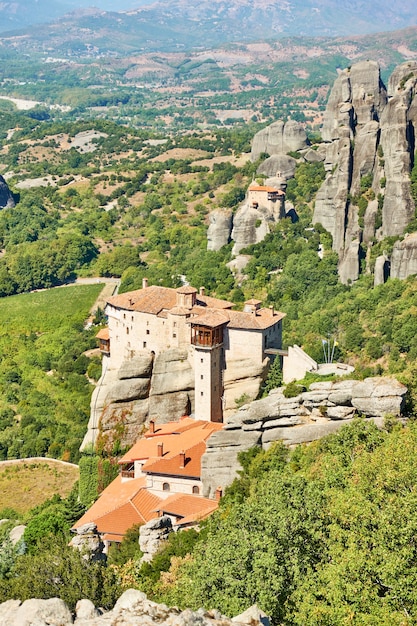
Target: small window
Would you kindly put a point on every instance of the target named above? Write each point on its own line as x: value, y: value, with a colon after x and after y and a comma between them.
x: 124, y: 316
x: 165, y: 487
x: 175, y: 324
x: 144, y: 344
x: 147, y: 331
x: 202, y: 377
x: 174, y: 335
x: 196, y: 490
x: 127, y: 330
x: 132, y: 318
x: 201, y: 393
x: 201, y: 360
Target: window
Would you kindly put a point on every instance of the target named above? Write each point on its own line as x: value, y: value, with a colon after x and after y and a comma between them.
x: 196, y: 490
x: 132, y: 318
x: 201, y: 393
x: 144, y: 344
x: 201, y: 360
x: 124, y: 316
x: 201, y: 376
x: 174, y: 335
x: 175, y: 324
x: 165, y: 487
x: 127, y: 330
x: 147, y: 331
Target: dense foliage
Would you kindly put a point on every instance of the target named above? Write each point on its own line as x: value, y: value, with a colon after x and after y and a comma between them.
x: 45, y: 394
x: 324, y: 538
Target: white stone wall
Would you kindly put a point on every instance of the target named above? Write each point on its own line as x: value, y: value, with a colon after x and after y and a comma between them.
x: 177, y: 484
x: 208, y: 368
x: 243, y: 344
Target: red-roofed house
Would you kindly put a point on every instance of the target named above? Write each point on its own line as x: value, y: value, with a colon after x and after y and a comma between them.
x: 160, y: 475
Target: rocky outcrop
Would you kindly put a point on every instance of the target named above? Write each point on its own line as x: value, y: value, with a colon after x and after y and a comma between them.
x: 250, y: 226
x: 143, y: 388
x: 219, y: 230
x: 132, y: 609
x: 369, y: 138
x: 88, y: 541
x: 152, y: 535
x: 307, y: 417
x: 279, y: 138
x: 404, y: 257
x: 281, y: 163
x: 6, y: 196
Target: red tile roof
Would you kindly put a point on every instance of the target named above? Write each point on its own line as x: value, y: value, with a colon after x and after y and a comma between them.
x: 190, y: 508
x: 174, y: 436
x: 160, y: 300
x: 113, y: 496
x: 172, y: 466
x: 266, y: 189
x: 103, y: 334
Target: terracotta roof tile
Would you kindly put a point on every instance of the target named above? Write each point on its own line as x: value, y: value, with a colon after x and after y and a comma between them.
x: 172, y: 466
x: 149, y: 300
x: 210, y: 318
x: 190, y: 508
x: 113, y: 496
x: 267, y: 189
x: 186, y: 289
x: 103, y: 334
x: 175, y: 437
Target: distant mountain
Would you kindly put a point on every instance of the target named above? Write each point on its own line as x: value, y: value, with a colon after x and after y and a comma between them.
x: 173, y: 24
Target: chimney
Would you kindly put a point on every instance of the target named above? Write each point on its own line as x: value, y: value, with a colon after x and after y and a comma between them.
x: 152, y: 427
x: 271, y: 308
x: 160, y: 449
x: 144, y: 283
x: 182, y: 459
x: 202, y: 291
x: 218, y: 494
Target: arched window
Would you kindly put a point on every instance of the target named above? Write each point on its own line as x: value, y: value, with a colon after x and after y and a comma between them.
x: 165, y: 487
x: 196, y: 490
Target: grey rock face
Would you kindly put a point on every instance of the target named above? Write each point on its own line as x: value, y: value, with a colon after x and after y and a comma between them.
x: 279, y: 138
x: 138, y: 367
x: 307, y: 417
x: 281, y: 163
x: 367, y: 134
x: 6, y: 197
x: 219, y: 230
x: 152, y: 534
x: 250, y: 226
x: 404, y: 257
x: 382, y: 269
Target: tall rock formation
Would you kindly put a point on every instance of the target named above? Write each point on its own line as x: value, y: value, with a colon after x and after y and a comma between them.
x: 6, y: 197
x: 369, y: 134
x: 279, y: 138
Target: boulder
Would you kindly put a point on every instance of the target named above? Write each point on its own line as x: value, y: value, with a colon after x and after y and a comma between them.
x: 152, y: 534
x: 17, y: 533
x: 52, y: 612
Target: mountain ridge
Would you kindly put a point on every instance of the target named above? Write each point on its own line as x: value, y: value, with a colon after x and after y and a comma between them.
x: 181, y: 23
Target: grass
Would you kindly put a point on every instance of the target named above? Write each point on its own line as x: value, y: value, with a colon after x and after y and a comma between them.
x: 28, y: 484
x: 42, y: 311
